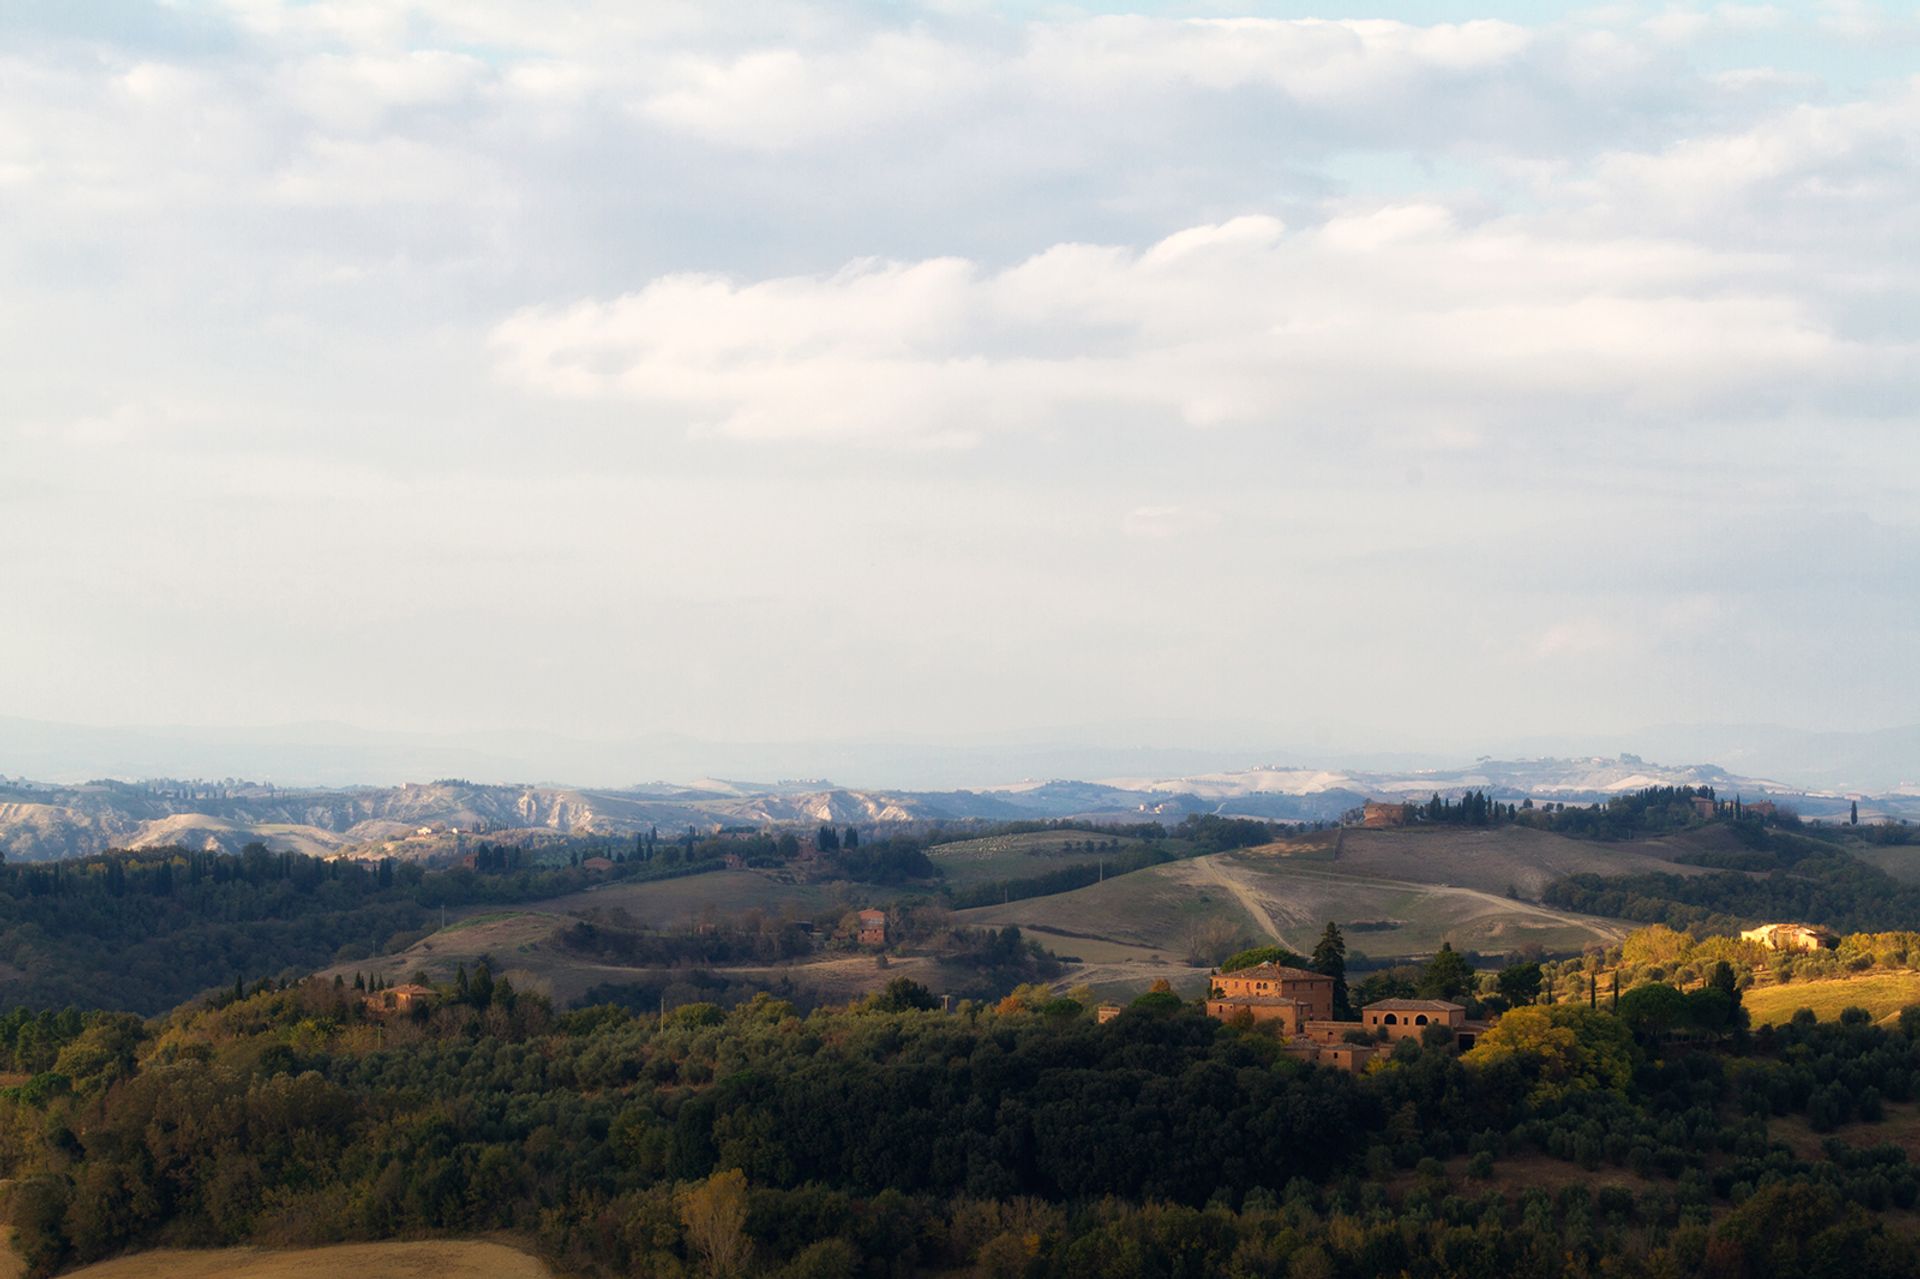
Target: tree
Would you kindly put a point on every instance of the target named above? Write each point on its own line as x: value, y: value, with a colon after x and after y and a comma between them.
x: 1655, y: 947
x: 1654, y: 1010
x: 1446, y: 976
x: 715, y: 1215
x: 1564, y: 1048
x: 827, y: 840
x: 904, y: 994
x: 1261, y: 955
x: 1853, y: 814
x: 1519, y: 984
x: 1330, y: 958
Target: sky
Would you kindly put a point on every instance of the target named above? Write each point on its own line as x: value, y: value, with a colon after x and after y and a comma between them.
x: 1351, y: 376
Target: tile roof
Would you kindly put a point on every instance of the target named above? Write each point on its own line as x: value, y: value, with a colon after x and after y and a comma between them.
x: 1416, y: 1005
x: 1270, y: 972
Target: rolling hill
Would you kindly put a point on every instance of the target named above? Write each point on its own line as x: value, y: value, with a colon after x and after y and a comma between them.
x: 40, y: 822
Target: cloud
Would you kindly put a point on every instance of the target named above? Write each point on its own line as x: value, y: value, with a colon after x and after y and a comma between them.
x: 1401, y: 316
x: 1158, y: 523
x: 1543, y: 329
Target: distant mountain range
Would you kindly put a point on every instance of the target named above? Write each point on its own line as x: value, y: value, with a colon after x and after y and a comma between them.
x: 40, y: 821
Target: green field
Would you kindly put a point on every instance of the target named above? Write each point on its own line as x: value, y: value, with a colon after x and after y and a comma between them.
x: 679, y: 903
x: 1881, y: 994
x: 1900, y: 861
x: 1002, y: 857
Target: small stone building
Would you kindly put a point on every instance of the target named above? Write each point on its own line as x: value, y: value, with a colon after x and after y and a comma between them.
x: 873, y: 928
x: 1410, y: 1018
x: 1352, y: 1058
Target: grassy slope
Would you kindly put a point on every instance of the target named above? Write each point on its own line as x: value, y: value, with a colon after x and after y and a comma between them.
x: 1001, y: 857
x: 1900, y: 861
x: 1434, y: 885
x: 450, y: 1259
x: 677, y: 903
x: 1881, y: 994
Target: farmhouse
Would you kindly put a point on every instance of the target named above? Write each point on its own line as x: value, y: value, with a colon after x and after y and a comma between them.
x: 1375, y: 814
x: 873, y: 928
x: 398, y: 999
x: 1290, y: 997
x: 597, y: 864
x: 1790, y: 936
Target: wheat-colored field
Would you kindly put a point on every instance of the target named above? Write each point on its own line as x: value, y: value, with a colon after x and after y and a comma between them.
x: 1881, y: 994
x: 452, y: 1259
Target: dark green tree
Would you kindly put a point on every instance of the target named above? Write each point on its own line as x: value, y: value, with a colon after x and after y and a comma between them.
x: 1446, y: 976
x: 1330, y: 958
x: 1520, y: 984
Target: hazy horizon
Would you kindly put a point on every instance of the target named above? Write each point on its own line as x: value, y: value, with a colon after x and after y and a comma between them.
x: 953, y: 372
x: 324, y: 754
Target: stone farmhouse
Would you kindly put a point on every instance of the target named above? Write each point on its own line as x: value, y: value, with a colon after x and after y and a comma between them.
x: 1298, y: 1004
x: 1290, y: 997
x: 1790, y: 936
x: 398, y: 999
x: 873, y: 928
x: 1376, y: 815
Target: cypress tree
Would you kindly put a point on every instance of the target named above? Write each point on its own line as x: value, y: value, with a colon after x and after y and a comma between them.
x: 1330, y: 958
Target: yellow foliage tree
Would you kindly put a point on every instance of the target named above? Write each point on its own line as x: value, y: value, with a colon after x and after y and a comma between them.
x: 1564, y: 1048
x: 1656, y: 946
x: 714, y: 1212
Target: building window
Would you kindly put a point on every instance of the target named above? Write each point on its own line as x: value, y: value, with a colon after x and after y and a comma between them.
x: 1421, y: 1020
x: 1392, y: 1020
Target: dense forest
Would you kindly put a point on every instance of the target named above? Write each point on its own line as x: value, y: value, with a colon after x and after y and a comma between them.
x: 144, y: 931
x: 1019, y: 1140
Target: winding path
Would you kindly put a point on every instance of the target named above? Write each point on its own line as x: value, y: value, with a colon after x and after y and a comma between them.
x: 1211, y: 867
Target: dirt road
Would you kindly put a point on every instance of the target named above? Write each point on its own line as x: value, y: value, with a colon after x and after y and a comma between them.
x: 1213, y: 869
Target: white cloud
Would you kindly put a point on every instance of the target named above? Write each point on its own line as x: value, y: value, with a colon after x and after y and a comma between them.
x: 451, y: 302
x: 1398, y: 316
